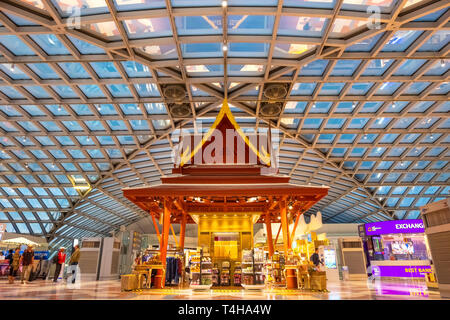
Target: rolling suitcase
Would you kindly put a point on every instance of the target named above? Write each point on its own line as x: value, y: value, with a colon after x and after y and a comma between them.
x: 129, y: 282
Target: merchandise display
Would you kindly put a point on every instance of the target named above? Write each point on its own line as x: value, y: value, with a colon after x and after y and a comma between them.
x: 253, y: 267
x: 201, y: 270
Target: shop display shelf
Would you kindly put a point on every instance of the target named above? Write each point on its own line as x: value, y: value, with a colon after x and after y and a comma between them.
x: 200, y: 286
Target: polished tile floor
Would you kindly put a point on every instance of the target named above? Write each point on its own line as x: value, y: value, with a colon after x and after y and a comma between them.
x: 355, y: 290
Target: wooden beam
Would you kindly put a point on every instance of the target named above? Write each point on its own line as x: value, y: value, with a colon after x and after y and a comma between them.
x: 156, y: 228
x: 284, y: 226
x: 183, y: 230
x: 174, y: 236
x: 160, y: 281
x: 269, y: 234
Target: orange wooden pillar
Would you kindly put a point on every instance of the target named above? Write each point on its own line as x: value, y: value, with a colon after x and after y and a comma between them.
x: 291, y: 278
x: 155, y: 224
x: 269, y: 234
x: 159, y: 280
x: 183, y: 230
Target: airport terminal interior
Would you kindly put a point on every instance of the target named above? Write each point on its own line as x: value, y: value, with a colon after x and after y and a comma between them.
x: 224, y: 149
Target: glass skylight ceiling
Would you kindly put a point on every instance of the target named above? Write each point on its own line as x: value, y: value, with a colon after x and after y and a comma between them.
x: 367, y: 110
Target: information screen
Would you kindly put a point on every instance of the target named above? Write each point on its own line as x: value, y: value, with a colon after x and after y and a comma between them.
x: 329, y: 256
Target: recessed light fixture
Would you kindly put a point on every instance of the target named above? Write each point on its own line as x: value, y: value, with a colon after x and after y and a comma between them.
x: 59, y: 108
x: 354, y: 105
x: 224, y: 47
x: 442, y: 63
x: 224, y: 4
x: 393, y: 105
x: 314, y: 105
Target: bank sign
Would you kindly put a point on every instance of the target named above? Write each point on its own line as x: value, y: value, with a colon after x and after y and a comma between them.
x: 394, y: 226
x: 401, y: 271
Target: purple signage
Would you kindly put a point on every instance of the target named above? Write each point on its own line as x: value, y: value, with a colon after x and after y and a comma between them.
x: 401, y: 271
x: 394, y: 226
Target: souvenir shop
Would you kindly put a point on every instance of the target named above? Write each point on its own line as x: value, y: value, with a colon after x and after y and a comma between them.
x: 225, y: 200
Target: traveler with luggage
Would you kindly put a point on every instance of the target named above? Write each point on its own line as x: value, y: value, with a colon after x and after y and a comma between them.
x: 27, y: 264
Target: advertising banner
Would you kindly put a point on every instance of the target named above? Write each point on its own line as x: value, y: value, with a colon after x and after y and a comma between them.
x: 401, y: 271
x: 394, y: 226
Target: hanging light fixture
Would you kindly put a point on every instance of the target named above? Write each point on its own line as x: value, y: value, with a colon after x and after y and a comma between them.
x: 224, y: 46
x: 442, y: 63
x: 224, y: 3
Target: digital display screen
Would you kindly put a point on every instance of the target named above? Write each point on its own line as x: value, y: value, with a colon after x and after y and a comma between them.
x: 329, y: 256
x: 401, y: 247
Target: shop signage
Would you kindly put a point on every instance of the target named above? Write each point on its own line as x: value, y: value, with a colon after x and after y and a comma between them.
x: 395, y: 226
x: 401, y: 271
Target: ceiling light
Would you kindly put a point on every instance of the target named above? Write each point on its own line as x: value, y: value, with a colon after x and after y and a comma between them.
x: 99, y: 107
x: 393, y: 105
x: 88, y: 138
x: 431, y: 137
x: 24, y: 139
x: 224, y: 4
x: 442, y: 63
x: 354, y: 105
x: 279, y: 218
x: 314, y: 105
x: 290, y: 207
x: 59, y: 108
x: 26, y: 165
x: 224, y: 47
x: 13, y: 67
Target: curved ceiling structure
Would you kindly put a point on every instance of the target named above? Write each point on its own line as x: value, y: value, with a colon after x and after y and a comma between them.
x: 88, y: 90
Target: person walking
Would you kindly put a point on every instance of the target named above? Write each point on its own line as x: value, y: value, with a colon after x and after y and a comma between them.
x: 61, y: 259
x: 74, y: 259
x: 27, y: 264
x: 14, y: 260
x: 315, y: 259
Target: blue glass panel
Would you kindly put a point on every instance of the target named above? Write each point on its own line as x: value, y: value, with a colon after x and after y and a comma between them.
x: 117, y: 125
x: 210, y: 70
x: 64, y: 140
x: 16, y: 46
x: 86, y: 166
x: 114, y: 153
x: 119, y: 90
x: 130, y: 109
x: 434, y: 152
x: 376, y: 152
x: 347, y: 138
x: 155, y: 108
x: 368, y: 138
x: 439, y: 164
x: 443, y: 177
x: 243, y: 49
x: 438, y: 68
x: 421, y: 106
x: 50, y: 125
x: 426, y: 123
x: 13, y: 71
x: 147, y: 90
x: 33, y: 110
x: 312, y: 123
x: 410, y: 137
x: 105, y: 70
x: 291, y: 50
x: 436, y: 42
x: 365, y: 45
x: 401, y: 40
x: 126, y: 140
x: 396, y: 106
x: 406, y: 202
x: 303, y: 89
x: 68, y: 8
x: 345, y: 67
x: 301, y: 26
x: 331, y: 89
x: 19, y: 21
x: 72, y: 125
x: 198, y: 25
x: 371, y: 107
x: 346, y: 107
x: 28, y: 126
x: 37, y: 92
x: 57, y: 110
x: 44, y: 140
x: 64, y: 91
x: 85, y: 47
x: 94, y: 125
x: 338, y: 152
x: 320, y: 107
x: 409, y: 67
x: 11, y: 92
x: 426, y: 177
x: 310, y: 4
x: 201, y: 50
x: 432, y: 16
x: 10, y: 111
x: 7, y: 126
x: 421, y: 165
x: 76, y: 154
x: 402, y: 165
x: 248, y: 24
x: 358, y: 123
x: 326, y: 138
x: 388, y: 88
x: 334, y: 123
x: 95, y: 154
x: 444, y: 88
x: 295, y: 107
x: 403, y: 123
x: 392, y: 177
x: 385, y: 165
x: 74, y: 70
x: 360, y: 89
x: 139, y: 124
x: 105, y: 140
x: 50, y: 44
x: 367, y: 165
x: 416, y: 88
x: 43, y: 70
x: 106, y: 109
x: 396, y: 152
x: 92, y: 91
x: 377, y: 67
x: 314, y: 68
x: 136, y: 70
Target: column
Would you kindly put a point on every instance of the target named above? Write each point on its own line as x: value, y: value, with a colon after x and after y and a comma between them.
x: 159, y: 281
x: 269, y: 234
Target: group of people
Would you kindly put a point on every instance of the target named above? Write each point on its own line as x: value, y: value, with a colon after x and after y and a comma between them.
x: 27, y: 260
x: 15, y: 259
